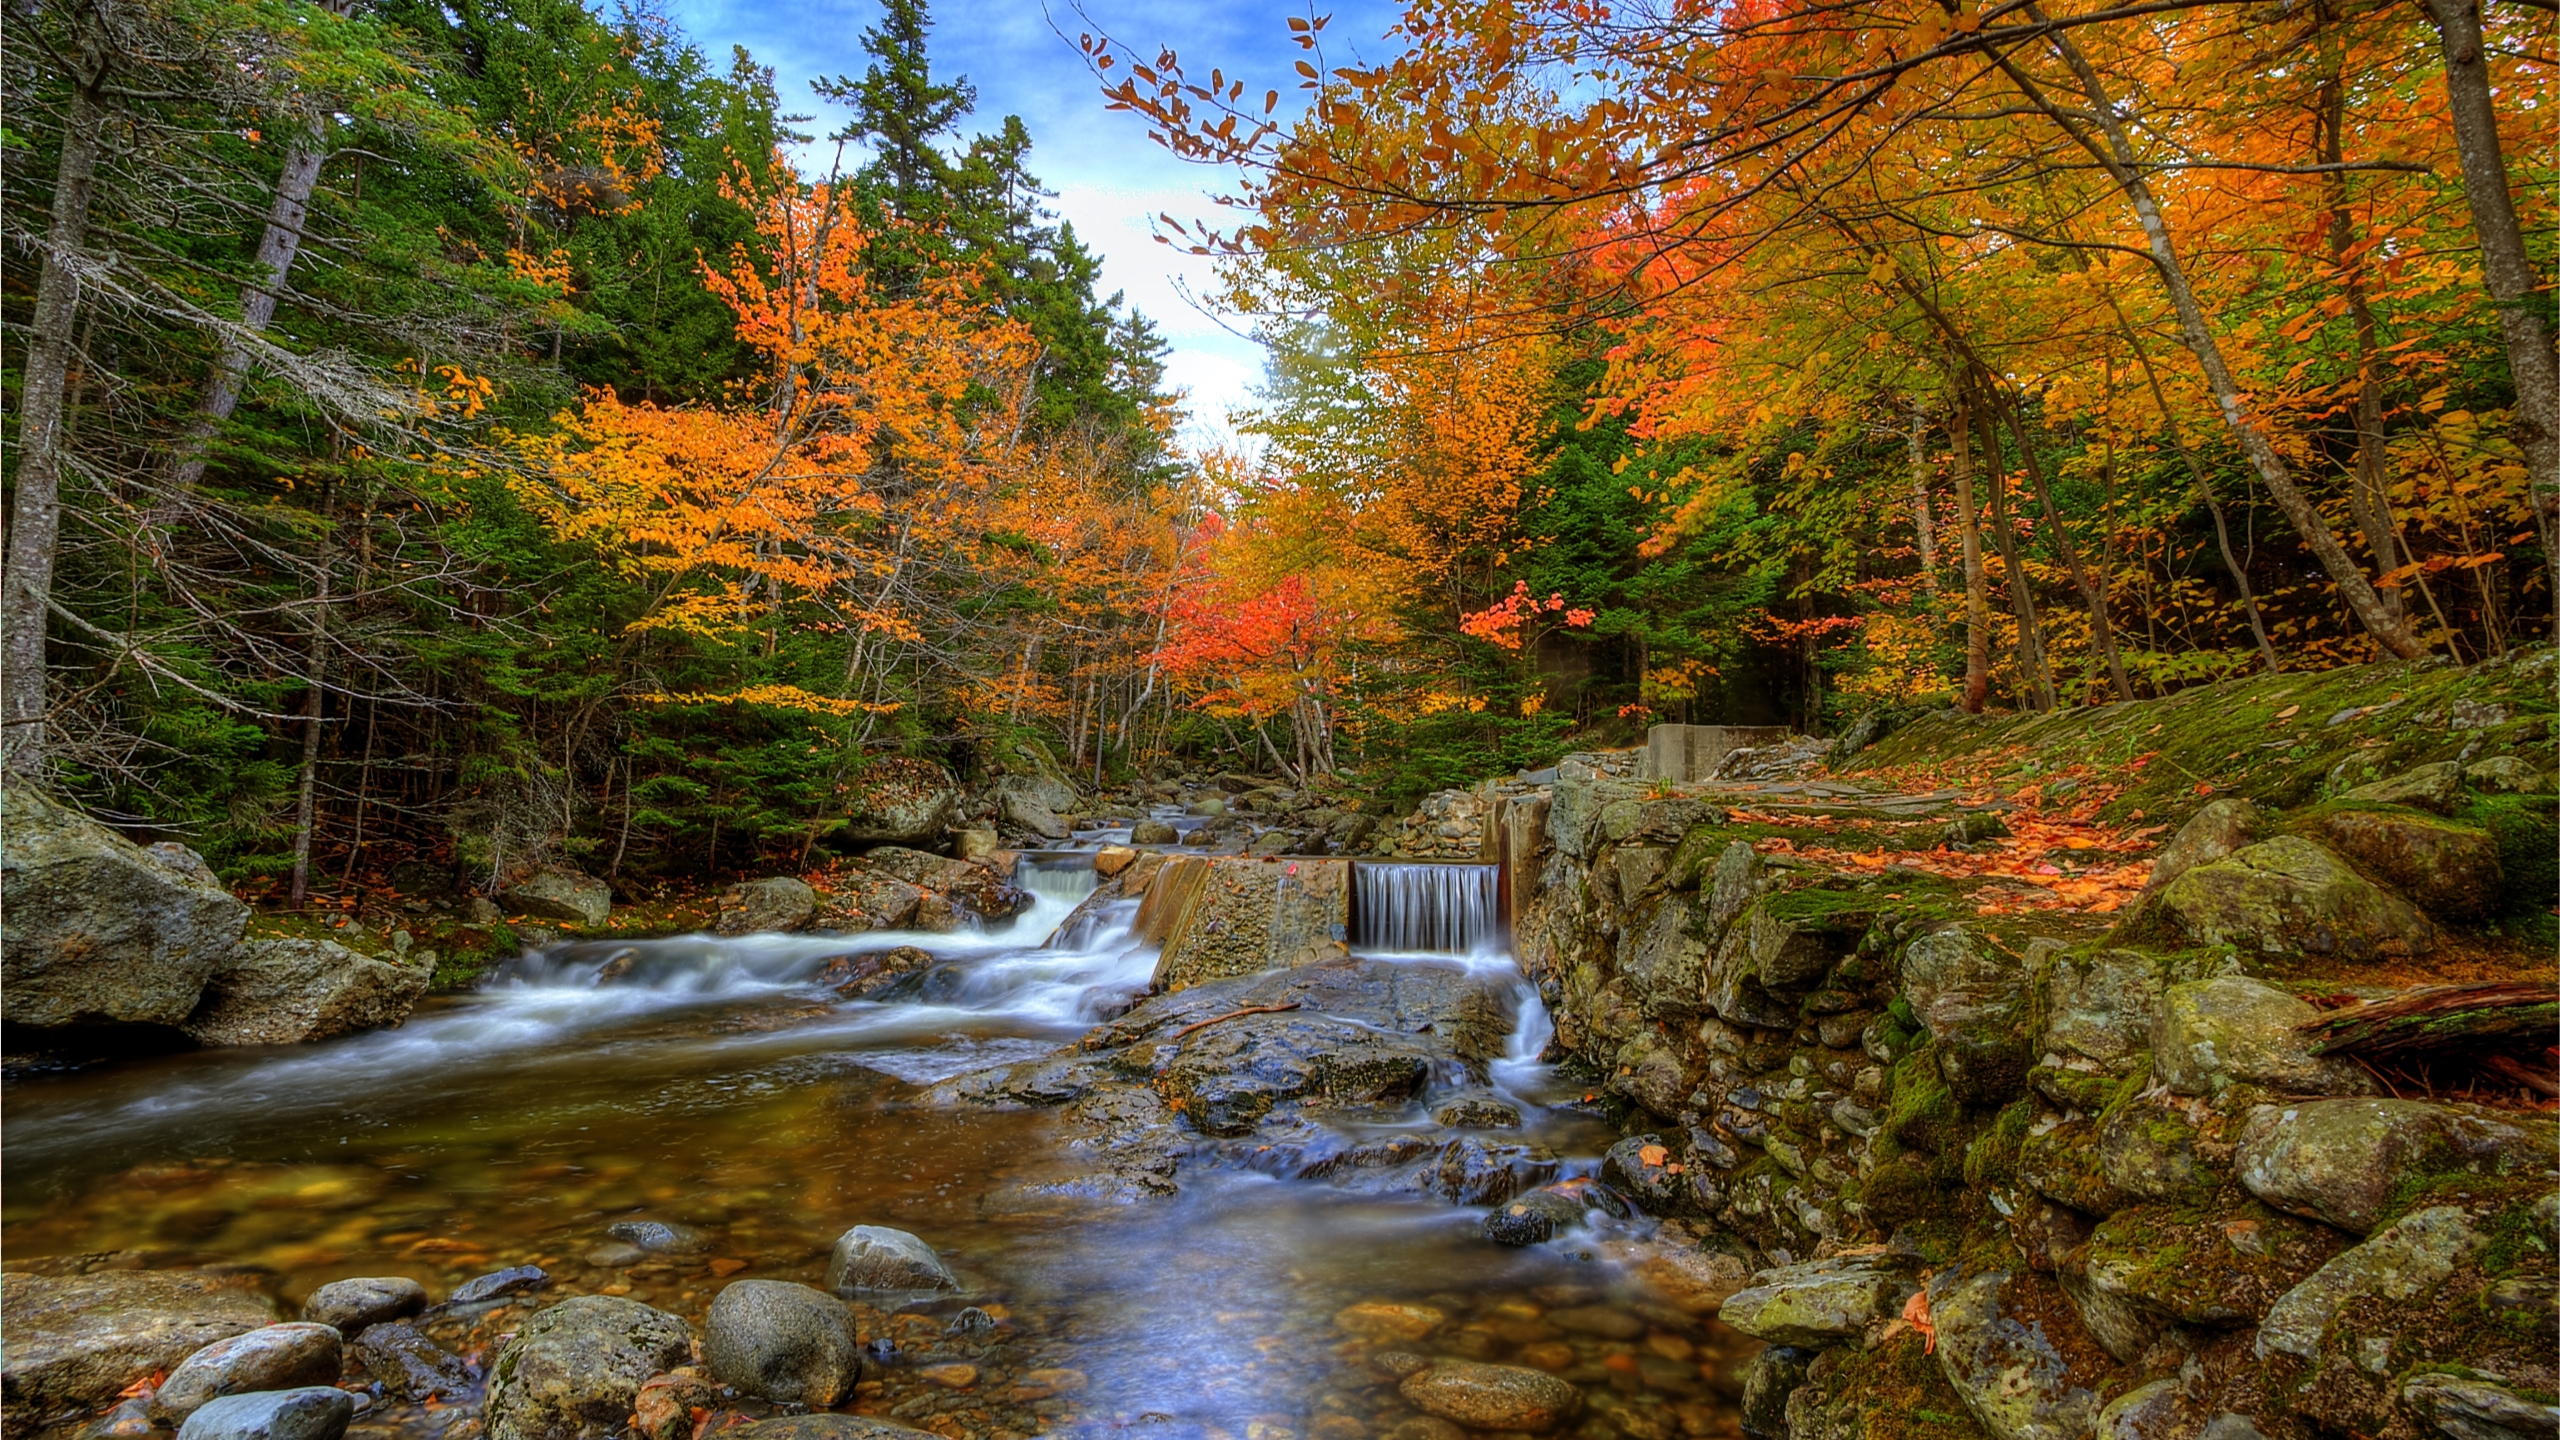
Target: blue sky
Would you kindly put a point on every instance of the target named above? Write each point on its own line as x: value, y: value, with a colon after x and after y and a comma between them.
x: 1111, y: 180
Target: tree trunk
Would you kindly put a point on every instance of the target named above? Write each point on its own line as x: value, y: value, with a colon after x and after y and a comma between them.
x: 2092, y: 594
x: 35, y: 525
x: 2116, y: 154
x: 2204, y: 488
x: 2035, y: 675
x: 305, y: 806
x: 1920, y: 518
x: 1977, y: 592
x: 2368, y: 491
x: 2504, y: 269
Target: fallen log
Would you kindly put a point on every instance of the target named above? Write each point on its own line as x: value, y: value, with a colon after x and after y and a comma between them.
x: 2439, y: 1019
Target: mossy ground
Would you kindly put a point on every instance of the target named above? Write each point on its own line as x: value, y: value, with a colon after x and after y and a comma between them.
x: 2266, y: 737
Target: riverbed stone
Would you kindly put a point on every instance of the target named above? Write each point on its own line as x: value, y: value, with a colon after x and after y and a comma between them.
x: 2403, y: 1260
x: 1226, y: 1079
x: 1154, y: 832
x: 312, y: 1412
x: 74, y: 1341
x: 560, y: 892
x: 580, y: 1363
x: 824, y: 1427
x: 778, y: 902
x: 875, y: 1257
x: 2449, y: 868
x: 499, y: 1284
x: 1216, y: 918
x: 660, y: 1237
x: 2469, y: 1407
x: 408, y: 1365
x: 1817, y: 1302
x: 351, y: 1305
x: 2342, y: 1160
x: 1492, y: 1397
x: 2003, y: 1360
x: 96, y: 930
x: 2229, y: 1030
x: 287, y: 992
x: 2290, y: 896
x: 783, y: 1342
x: 271, y: 1357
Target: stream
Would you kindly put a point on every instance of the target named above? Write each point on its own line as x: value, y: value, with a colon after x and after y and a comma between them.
x: 714, y: 1084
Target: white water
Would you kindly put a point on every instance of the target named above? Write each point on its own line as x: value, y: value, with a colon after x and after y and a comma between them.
x: 1408, y: 908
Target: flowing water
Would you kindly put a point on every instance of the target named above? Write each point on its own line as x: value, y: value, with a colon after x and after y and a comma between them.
x: 713, y: 1083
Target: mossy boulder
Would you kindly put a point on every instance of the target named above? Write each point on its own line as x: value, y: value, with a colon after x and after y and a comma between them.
x: 1893, y: 1392
x: 2436, y: 787
x: 1819, y: 1302
x: 2151, y: 1150
x: 2099, y: 1004
x: 1664, y: 960
x: 2229, y: 1030
x: 2220, y: 830
x: 2450, y: 869
x: 96, y: 930
x: 2206, y: 1267
x: 2347, y: 1161
x: 579, y: 1364
x: 2062, y: 1164
x: 2010, y: 1353
x: 2409, y: 1258
x: 2288, y: 896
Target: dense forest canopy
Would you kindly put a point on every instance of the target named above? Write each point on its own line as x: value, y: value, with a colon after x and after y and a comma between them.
x: 499, y: 430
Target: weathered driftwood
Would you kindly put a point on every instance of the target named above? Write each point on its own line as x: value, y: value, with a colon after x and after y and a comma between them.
x: 2473, y: 1019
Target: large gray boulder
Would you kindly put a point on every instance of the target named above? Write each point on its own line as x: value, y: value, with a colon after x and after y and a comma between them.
x: 580, y: 1363
x: 2342, y: 1160
x: 284, y: 992
x: 75, y: 1341
x: 2289, y: 896
x: 900, y: 800
x: 560, y: 892
x: 96, y: 930
x: 2212, y: 1034
x: 2100, y: 1005
x: 310, y: 1412
x: 781, y: 902
x: 1046, y: 791
x: 1024, y: 811
x: 875, y: 1257
x: 784, y: 1342
x: 272, y: 1357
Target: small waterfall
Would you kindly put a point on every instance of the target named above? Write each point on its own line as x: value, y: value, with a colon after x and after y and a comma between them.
x: 1059, y: 880
x: 1425, y: 909
x: 1519, y: 1066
